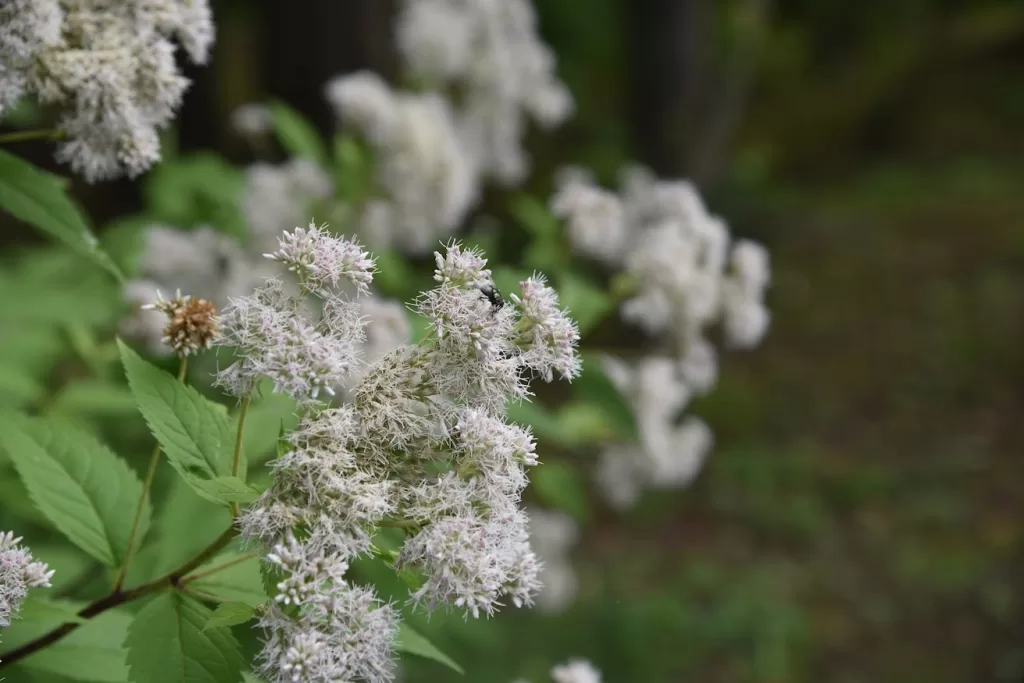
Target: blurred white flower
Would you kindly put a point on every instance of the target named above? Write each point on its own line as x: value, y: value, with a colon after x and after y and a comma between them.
x: 552, y: 535
x: 576, y: 671
x: 276, y: 198
x: 115, y: 81
x: 490, y: 53
x: 251, y: 119
x: 423, y: 171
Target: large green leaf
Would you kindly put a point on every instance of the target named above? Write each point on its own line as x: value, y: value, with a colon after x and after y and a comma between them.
x: 561, y: 486
x: 296, y: 134
x: 587, y: 303
x: 240, y: 582
x: 230, y: 614
x: 195, y: 433
x: 414, y: 643
x: 167, y: 644
x: 87, y: 492
x: 38, y: 198
x: 92, y: 652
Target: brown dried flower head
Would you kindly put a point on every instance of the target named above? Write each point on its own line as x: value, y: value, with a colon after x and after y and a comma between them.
x: 192, y: 323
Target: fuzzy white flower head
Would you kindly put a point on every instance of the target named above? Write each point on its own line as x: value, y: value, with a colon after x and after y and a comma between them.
x: 547, y: 335
x: 576, y: 671
x: 322, y: 261
x: 18, y: 573
x: 276, y: 338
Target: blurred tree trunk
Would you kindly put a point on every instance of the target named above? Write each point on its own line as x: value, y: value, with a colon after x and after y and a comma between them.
x: 307, y: 42
x: 667, y: 43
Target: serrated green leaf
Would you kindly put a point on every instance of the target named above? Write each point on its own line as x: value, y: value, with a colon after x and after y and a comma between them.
x: 229, y: 614
x: 241, y: 582
x: 560, y: 486
x: 92, y: 652
x: 37, y: 608
x: 187, y: 523
x: 594, y: 386
x: 296, y: 134
x: 87, y: 492
x: 194, y: 432
x: 38, y: 198
x: 167, y: 644
x: 225, y: 490
x: 414, y: 643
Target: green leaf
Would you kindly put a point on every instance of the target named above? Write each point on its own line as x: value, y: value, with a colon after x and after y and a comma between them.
x: 37, y: 198
x: 225, y: 490
x: 92, y: 652
x: 296, y: 134
x: 241, y: 582
x: 18, y: 388
x: 197, y: 189
x: 535, y: 217
x: 187, y: 523
x: 195, y: 433
x: 588, y: 304
x: 167, y: 644
x: 264, y: 425
x: 415, y: 644
x: 594, y: 386
x: 94, y: 397
x: 81, y: 486
x: 560, y: 486
x: 36, y: 608
x: 230, y: 614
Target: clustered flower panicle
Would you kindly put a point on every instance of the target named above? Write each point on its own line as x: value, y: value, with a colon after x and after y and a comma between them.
x: 192, y: 324
x: 490, y: 52
x: 18, y: 573
x: 423, y: 446
x: 109, y: 66
x: 687, y: 278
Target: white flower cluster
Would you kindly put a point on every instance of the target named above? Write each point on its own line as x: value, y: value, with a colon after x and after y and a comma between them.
x: 687, y: 278
x: 489, y: 52
x: 422, y: 447
x: 427, y: 180
x: 669, y: 454
x: 109, y: 65
x: 552, y: 534
x: 18, y: 573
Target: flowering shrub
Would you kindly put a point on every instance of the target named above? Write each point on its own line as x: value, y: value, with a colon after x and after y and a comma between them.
x: 317, y: 424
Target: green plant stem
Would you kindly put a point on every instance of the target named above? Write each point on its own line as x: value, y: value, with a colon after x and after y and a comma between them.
x: 154, y: 460
x: 119, y: 597
x: 24, y: 135
x: 236, y: 460
x: 399, y: 523
x: 216, y: 568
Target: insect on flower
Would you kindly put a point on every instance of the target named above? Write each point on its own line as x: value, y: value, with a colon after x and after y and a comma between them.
x: 493, y: 295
